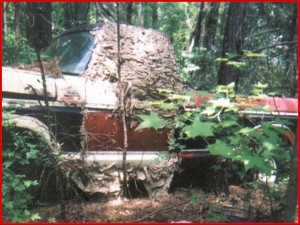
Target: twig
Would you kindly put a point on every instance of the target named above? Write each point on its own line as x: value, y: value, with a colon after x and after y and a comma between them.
x: 160, y: 210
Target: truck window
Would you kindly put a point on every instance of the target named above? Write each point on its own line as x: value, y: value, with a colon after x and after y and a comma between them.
x: 73, y: 51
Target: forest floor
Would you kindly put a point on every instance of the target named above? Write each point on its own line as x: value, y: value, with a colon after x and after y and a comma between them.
x: 182, y: 205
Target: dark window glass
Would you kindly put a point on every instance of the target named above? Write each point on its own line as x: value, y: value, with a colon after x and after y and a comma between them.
x: 73, y: 51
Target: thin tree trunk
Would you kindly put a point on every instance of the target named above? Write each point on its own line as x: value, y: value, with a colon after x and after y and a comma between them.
x: 140, y: 17
x: 4, y: 22
x: 129, y: 12
x: 122, y: 107
x: 211, y: 25
x: 291, y: 53
x: 198, y: 34
x: 17, y: 19
x: 233, y: 42
x: 154, y: 15
x: 67, y: 15
x: 76, y: 13
x: 292, y: 190
x: 39, y: 27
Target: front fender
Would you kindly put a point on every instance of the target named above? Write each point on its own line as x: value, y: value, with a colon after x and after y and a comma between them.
x: 32, y: 124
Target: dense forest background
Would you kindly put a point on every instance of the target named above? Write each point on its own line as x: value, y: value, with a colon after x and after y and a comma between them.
x: 215, y: 43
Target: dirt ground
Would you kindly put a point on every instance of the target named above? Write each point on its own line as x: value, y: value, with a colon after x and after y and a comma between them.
x: 182, y: 205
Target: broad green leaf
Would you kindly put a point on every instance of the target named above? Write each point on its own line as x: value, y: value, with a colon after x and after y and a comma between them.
x: 151, y: 121
x: 252, y: 161
x: 234, y: 140
x: 220, y: 148
x: 7, y: 164
x: 32, y: 154
x: 29, y: 183
x: 199, y: 128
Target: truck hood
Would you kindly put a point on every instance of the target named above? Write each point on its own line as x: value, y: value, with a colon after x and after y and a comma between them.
x: 18, y: 83
x: 74, y: 91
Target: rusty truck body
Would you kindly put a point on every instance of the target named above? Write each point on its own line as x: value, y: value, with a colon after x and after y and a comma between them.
x: 86, y: 112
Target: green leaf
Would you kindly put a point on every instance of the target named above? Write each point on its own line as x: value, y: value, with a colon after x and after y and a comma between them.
x: 252, y: 161
x: 222, y: 102
x: 236, y: 64
x: 222, y: 59
x: 220, y: 148
x: 164, y: 91
x: 35, y: 216
x: 168, y: 106
x: 7, y: 164
x: 199, y: 128
x: 260, y: 85
x: 29, y: 183
x: 253, y: 55
x: 32, y: 154
x: 179, y: 97
x: 234, y: 140
x: 209, y: 111
x: 151, y: 121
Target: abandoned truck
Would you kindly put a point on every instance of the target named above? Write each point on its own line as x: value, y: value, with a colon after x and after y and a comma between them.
x: 82, y: 98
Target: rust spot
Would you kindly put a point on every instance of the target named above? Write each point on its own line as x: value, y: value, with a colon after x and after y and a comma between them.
x: 104, y: 132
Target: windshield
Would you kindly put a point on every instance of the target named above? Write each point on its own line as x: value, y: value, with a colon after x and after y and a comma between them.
x: 73, y: 51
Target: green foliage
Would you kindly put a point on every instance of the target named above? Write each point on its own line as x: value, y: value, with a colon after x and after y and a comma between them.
x: 198, y: 69
x: 23, y: 152
x: 151, y: 121
x: 193, y: 130
x: 216, y: 122
x: 16, y: 51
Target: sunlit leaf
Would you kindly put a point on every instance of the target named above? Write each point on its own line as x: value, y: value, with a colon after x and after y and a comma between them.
x: 151, y: 121
x: 236, y: 64
x: 253, y: 55
x: 220, y: 148
x: 199, y: 128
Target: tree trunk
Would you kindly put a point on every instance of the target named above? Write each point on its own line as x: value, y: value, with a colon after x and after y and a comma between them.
x: 233, y: 42
x: 17, y: 19
x: 291, y: 54
x: 67, y: 15
x: 154, y: 14
x: 140, y: 17
x: 198, y: 34
x: 39, y: 27
x: 4, y: 22
x: 292, y: 190
x: 211, y: 25
x: 129, y: 12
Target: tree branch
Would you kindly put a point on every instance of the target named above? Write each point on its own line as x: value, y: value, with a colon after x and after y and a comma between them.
x: 163, y: 209
x: 276, y: 44
x: 262, y: 32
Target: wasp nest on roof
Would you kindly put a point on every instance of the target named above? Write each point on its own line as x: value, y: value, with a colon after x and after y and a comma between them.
x: 147, y: 60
